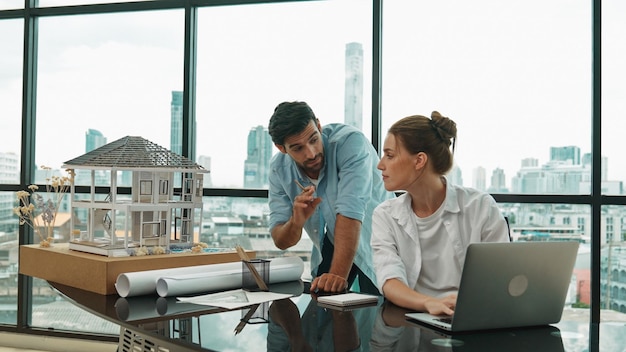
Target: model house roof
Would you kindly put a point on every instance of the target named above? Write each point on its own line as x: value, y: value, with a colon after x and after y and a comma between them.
x: 134, y: 153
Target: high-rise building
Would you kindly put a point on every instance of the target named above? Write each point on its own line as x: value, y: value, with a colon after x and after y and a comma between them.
x: 530, y: 162
x: 604, y: 165
x: 176, y: 123
x: 563, y: 174
x: 9, y: 174
x: 353, y: 95
x: 571, y: 153
x: 455, y: 175
x: 176, y: 128
x: 479, y: 178
x: 94, y: 139
x: 257, y: 164
x: 205, y: 162
x: 498, y: 181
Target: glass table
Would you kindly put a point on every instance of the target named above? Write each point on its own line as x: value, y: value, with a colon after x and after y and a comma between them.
x: 153, y: 323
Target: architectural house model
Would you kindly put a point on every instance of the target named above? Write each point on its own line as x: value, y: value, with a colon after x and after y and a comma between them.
x: 164, y: 207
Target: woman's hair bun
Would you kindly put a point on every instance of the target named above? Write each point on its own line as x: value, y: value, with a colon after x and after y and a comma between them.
x: 445, y: 127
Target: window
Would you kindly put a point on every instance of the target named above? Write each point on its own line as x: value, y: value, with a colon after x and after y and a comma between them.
x: 613, y: 252
x: 112, y: 75
x: 613, y: 102
x: 613, y: 96
x: 519, y: 73
x: 145, y: 188
x: 11, y: 4
x: 10, y: 99
x: 253, y: 57
x: 511, y: 77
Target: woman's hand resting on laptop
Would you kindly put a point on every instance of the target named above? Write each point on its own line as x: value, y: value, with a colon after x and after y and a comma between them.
x: 441, y: 306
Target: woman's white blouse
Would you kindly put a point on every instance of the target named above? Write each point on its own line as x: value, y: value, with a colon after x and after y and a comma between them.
x: 469, y: 216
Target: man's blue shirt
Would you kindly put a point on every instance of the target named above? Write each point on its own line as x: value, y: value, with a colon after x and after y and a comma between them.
x: 349, y: 184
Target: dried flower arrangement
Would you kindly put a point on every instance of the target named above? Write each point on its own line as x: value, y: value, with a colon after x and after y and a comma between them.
x: 40, y: 213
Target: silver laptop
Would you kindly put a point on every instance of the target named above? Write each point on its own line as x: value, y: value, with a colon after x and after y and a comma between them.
x: 507, y: 285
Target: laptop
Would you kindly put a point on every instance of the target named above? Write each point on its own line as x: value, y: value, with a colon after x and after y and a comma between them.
x: 514, y: 284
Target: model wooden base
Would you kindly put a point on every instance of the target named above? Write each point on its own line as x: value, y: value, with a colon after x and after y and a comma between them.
x: 97, y: 273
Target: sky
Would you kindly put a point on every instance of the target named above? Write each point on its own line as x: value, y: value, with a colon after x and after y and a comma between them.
x: 516, y: 80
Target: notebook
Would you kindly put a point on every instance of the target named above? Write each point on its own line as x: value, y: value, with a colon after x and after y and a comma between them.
x: 513, y: 284
x: 347, y: 300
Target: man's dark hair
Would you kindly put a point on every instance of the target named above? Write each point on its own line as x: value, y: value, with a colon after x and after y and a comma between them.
x: 289, y: 118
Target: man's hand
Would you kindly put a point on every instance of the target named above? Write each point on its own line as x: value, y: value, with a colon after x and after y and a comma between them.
x: 288, y: 234
x: 329, y: 283
x: 304, y: 205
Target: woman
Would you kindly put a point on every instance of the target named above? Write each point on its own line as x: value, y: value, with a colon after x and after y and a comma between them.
x: 419, y: 239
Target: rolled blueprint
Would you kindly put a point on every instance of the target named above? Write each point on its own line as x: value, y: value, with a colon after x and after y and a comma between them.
x: 200, y: 278
x: 282, y: 269
x: 144, y: 282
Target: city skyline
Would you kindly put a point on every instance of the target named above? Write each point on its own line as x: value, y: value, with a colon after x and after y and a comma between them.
x: 536, y: 102
x: 256, y: 167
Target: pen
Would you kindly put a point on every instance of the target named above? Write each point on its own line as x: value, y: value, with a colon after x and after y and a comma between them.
x: 299, y: 185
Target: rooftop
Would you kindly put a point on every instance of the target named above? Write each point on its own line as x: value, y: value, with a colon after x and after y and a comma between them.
x: 133, y: 153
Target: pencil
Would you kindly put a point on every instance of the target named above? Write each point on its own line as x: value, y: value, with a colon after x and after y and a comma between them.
x: 299, y: 184
x: 257, y: 277
x: 302, y: 188
x: 245, y: 319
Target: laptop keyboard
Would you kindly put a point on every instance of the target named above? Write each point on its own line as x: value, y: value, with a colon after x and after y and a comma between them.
x: 445, y: 320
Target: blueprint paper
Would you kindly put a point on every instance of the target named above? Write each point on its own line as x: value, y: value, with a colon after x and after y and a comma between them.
x: 235, y: 298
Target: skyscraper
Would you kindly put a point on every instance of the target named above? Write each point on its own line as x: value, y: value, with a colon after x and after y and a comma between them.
x: 353, y: 95
x: 479, y: 176
x: 94, y: 139
x: 571, y: 153
x: 455, y: 176
x: 176, y: 123
x: 9, y: 173
x: 530, y: 162
x: 205, y: 162
x: 256, y: 166
x: 498, y: 181
x: 604, y: 165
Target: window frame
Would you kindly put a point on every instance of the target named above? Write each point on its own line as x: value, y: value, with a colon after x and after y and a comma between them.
x: 31, y: 13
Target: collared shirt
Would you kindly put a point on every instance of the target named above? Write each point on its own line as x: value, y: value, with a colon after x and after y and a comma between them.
x: 349, y: 184
x: 468, y: 216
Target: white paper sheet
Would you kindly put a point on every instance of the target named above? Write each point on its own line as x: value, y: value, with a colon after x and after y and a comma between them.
x: 202, y: 278
x: 233, y: 299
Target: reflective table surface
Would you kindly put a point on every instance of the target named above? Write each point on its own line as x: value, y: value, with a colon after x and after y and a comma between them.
x: 299, y: 324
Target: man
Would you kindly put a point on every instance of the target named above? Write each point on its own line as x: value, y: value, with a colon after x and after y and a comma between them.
x: 325, y: 181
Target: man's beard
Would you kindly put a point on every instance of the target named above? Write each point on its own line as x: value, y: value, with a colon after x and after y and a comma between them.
x: 314, y: 169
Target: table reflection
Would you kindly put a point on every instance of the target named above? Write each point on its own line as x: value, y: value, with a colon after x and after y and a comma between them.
x: 298, y: 324
x: 392, y: 332
x: 318, y: 329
